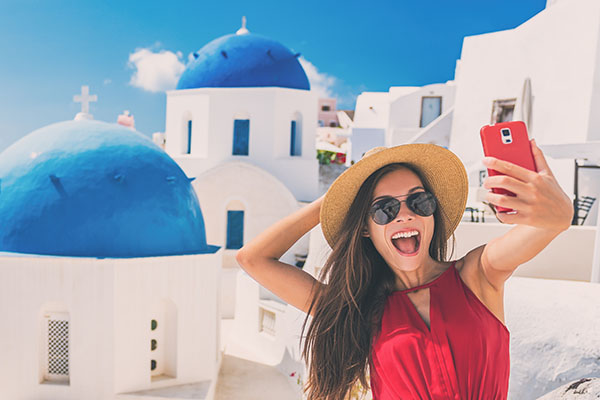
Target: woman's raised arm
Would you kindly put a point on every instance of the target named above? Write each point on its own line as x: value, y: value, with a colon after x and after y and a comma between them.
x: 543, y: 211
x: 260, y: 257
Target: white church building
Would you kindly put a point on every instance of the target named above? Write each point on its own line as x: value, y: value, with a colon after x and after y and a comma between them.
x: 242, y: 122
x: 108, y: 288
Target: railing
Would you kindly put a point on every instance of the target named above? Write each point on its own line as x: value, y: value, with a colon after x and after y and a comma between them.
x: 582, y: 206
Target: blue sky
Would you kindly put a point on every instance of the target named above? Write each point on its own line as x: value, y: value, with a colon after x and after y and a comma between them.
x: 128, y: 51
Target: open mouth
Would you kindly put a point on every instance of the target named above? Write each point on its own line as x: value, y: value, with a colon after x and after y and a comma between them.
x: 407, y: 243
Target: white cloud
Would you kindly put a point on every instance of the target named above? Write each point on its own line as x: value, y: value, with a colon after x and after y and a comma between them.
x: 155, y: 71
x: 320, y: 82
x: 107, y: 81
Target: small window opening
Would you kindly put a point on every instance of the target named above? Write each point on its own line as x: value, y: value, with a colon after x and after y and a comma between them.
x: 241, y: 133
x: 267, y: 322
x: 57, y: 368
x: 189, y: 137
x: 235, y: 229
x: 431, y: 108
x: 295, y: 140
x: 503, y: 110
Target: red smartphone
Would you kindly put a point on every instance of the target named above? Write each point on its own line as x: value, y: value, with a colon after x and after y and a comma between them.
x: 507, y: 141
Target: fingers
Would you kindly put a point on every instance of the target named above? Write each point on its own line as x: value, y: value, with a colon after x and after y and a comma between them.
x: 505, y: 201
x: 540, y: 161
x: 508, y: 168
x: 505, y: 182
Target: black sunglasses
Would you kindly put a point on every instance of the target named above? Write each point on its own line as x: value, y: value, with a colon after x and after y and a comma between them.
x: 385, y: 210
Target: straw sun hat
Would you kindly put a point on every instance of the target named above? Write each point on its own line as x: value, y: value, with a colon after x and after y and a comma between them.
x: 439, y: 167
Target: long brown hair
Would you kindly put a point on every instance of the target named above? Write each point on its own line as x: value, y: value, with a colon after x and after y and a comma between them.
x: 348, y: 309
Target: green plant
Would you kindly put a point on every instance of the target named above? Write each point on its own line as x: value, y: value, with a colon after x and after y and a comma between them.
x: 330, y: 157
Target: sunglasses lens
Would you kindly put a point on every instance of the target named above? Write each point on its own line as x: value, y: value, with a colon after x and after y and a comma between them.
x: 422, y: 203
x: 385, y: 210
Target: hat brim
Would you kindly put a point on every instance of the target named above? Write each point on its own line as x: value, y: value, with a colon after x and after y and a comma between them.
x: 440, y: 168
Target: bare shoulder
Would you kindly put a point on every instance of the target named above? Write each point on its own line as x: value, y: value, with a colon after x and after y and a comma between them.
x: 474, y: 277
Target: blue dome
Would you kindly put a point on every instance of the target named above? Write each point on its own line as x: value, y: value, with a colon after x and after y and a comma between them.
x: 94, y: 189
x: 244, y: 61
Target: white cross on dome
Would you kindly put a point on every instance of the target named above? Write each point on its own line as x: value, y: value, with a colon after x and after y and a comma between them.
x: 85, y: 99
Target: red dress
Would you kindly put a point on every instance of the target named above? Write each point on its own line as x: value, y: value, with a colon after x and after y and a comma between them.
x: 465, y: 355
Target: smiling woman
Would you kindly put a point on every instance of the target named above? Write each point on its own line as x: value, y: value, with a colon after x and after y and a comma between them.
x: 389, y: 304
x: 386, y: 209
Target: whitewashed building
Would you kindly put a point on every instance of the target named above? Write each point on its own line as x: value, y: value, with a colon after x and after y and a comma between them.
x: 544, y: 72
x: 242, y: 121
x: 404, y: 114
x: 108, y: 289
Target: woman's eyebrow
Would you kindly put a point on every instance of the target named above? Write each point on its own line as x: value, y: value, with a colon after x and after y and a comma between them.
x: 409, y: 192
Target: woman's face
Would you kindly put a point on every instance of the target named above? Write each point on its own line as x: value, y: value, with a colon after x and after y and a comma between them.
x: 408, y: 253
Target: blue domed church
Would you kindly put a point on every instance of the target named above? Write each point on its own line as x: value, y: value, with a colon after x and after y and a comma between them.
x: 245, y: 98
x: 109, y: 288
x: 242, y: 121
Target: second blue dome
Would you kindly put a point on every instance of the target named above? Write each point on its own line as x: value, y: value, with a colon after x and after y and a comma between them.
x: 244, y: 61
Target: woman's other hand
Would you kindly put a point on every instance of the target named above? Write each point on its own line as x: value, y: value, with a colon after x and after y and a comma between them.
x: 539, y: 200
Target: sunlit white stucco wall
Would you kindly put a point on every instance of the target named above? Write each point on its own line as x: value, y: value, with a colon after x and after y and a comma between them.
x: 270, y: 111
x: 110, y: 303
x: 264, y: 200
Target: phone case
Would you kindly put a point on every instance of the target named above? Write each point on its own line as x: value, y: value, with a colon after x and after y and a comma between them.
x: 517, y: 152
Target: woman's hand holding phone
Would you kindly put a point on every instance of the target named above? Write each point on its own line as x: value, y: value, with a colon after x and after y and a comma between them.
x: 539, y: 200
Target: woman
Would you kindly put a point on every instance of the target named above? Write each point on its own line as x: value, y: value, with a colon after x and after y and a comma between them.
x: 388, y: 302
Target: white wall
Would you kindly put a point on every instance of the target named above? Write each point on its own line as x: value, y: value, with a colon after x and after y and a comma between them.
x: 594, y: 115
x: 179, y: 110
x: 405, y: 111
x: 363, y: 140
x: 108, y: 301
x: 372, y: 110
x: 266, y: 200
x: 437, y: 132
x: 557, y: 49
x: 27, y: 283
x: 396, y: 113
x: 191, y: 282
x: 270, y: 111
x: 568, y: 256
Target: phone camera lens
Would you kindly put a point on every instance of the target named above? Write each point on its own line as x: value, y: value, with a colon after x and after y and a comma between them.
x: 505, y: 132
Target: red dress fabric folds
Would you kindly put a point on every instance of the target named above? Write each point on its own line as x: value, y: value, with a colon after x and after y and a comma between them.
x: 464, y: 356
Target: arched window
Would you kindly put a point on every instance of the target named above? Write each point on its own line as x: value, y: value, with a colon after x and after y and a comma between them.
x: 55, y: 337
x: 235, y: 225
x: 241, y: 137
x: 189, y: 137
x: 163, y: 340
x: 186, y: 133
x: 296, y: 135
